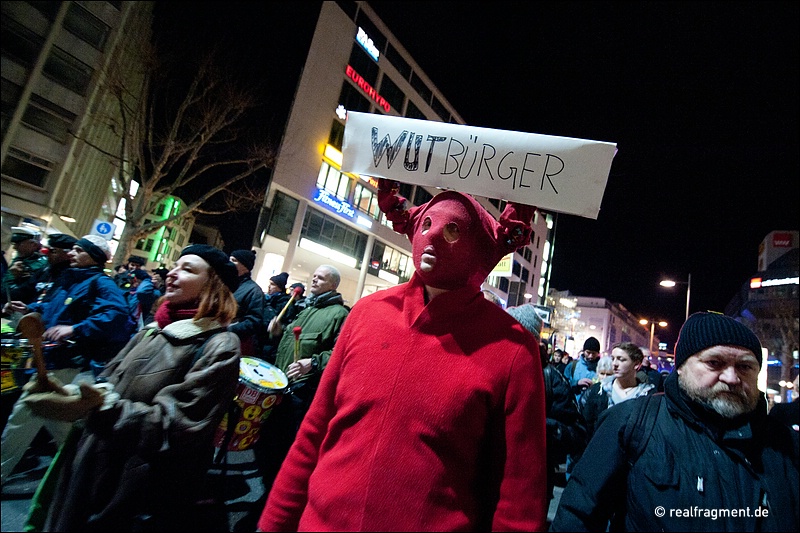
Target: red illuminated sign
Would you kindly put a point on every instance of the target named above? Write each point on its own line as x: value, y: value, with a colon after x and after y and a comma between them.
x: 367, y: 88
x: 782, y: 240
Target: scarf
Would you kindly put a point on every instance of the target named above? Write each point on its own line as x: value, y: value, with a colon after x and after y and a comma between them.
x: 168, y: 313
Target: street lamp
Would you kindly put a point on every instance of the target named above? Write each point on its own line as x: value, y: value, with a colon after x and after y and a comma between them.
x: 672, y: 283
x: 644, y: 322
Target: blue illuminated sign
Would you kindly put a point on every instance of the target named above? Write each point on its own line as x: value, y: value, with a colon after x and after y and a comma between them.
x: 334, y: 204
x: 367, y: 44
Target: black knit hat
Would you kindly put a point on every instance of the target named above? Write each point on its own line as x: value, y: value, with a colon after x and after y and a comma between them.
x: 246, y: 257
x: 704, y: 330
x: 280, y: 280
x: 592, y: 344
x: 137, y: 260
x: 220, y: 262
x: 61, y: 240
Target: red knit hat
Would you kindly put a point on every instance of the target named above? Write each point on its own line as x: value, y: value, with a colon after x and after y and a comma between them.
x: 456, y: 242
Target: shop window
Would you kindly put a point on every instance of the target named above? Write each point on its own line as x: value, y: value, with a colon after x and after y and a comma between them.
x: 366, y: 200
x: 329, y: 232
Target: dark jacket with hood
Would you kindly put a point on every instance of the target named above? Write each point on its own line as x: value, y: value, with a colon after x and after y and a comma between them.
x: 696, y: 472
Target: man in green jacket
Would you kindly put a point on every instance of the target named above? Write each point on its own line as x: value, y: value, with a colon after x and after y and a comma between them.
x: 319, y: 323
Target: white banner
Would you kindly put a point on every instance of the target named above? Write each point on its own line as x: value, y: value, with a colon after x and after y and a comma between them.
x: 554, y: 173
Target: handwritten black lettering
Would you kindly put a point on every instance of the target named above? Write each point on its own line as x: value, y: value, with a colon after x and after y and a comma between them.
x: 385, y: 145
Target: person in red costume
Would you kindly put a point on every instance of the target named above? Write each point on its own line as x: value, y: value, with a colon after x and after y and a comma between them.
x: 430, y: 414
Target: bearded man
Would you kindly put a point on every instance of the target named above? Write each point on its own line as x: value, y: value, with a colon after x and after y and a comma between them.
x: 430, y: 414
x: 702, y: 456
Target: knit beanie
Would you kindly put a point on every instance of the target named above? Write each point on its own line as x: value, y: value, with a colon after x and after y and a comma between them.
x: 61, y: 240
x: 528, y: 317
x: 704, y: 330
x: 96, y: 247
x: 137, y: 260
x: 592, y: 344
x: 280, y: 280
x: 246, y: 257
x: 220, y: 262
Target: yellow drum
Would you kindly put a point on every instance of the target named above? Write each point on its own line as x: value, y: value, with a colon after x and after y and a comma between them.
x: 261, y: 387
x: 15, y: 353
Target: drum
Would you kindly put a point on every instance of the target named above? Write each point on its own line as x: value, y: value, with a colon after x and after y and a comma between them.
x: 261, y: 387
x: 15, y: 353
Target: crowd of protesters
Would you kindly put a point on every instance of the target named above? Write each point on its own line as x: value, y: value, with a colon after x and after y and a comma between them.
x: 423, y: 407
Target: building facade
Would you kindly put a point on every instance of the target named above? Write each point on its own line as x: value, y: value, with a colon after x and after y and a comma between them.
x: 58, y: 114
x: 314, y: 214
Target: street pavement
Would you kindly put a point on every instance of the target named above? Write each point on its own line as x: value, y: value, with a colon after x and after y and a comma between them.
x: 240, y: 486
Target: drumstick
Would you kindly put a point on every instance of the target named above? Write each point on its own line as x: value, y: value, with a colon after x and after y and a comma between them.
x: 295, y: 294
x: 296, y: 332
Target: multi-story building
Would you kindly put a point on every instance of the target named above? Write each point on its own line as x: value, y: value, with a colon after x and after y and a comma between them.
x: 314, y: 214
x: 57, y: 112
x: 768, y: 303
x: 576, y: 318
x: 163, y: 247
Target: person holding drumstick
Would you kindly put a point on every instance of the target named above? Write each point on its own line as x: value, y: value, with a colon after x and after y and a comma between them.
x: 430, y: 414
x: 144, y: 438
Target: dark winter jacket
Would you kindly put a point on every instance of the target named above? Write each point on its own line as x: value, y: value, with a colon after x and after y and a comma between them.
x: 93, y: 305
x: 320, y: 325
x: 148, y: 453
x: 566, y: 431
x: 597, y: 398
x: 697, y: 472
x: 251, y: 318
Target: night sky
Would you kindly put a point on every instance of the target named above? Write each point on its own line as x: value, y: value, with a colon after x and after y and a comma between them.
x: 700, y: 97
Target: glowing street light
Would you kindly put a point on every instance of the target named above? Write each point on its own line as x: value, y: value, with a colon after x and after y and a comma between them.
x: 672, y: 283
x: 644, y: 322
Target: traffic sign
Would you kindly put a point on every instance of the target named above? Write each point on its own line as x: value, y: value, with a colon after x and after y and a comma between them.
x: 103, y: 229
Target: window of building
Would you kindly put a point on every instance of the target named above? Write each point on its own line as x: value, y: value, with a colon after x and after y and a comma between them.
x: 363, y: 64
x: 48, y: 9
x: 516, y: 293
x: 421, y: 87
x: 421, y: 196
x: 19, y: 42
x: 378, y: 39
x: 160, y: 210
x: 336, y: 137
x: 503, y: 285
x: 397, y: 61
x: 48, y: 118
x: 140, y: 244
x: 27, y: 167
x: 86, y: 26
x: 366, y: 200
x: 391, y: 92
x: 281, y: 218
x: 68, y: 71
x: 525, y: 276
x: 349, y: 7
x: 333, y: 181
x: 412, y: 111
x: 387, y: 259
x: 149, y: 246
x: 329, y: 232
x: 353, y: 99
x: 440, y: 109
